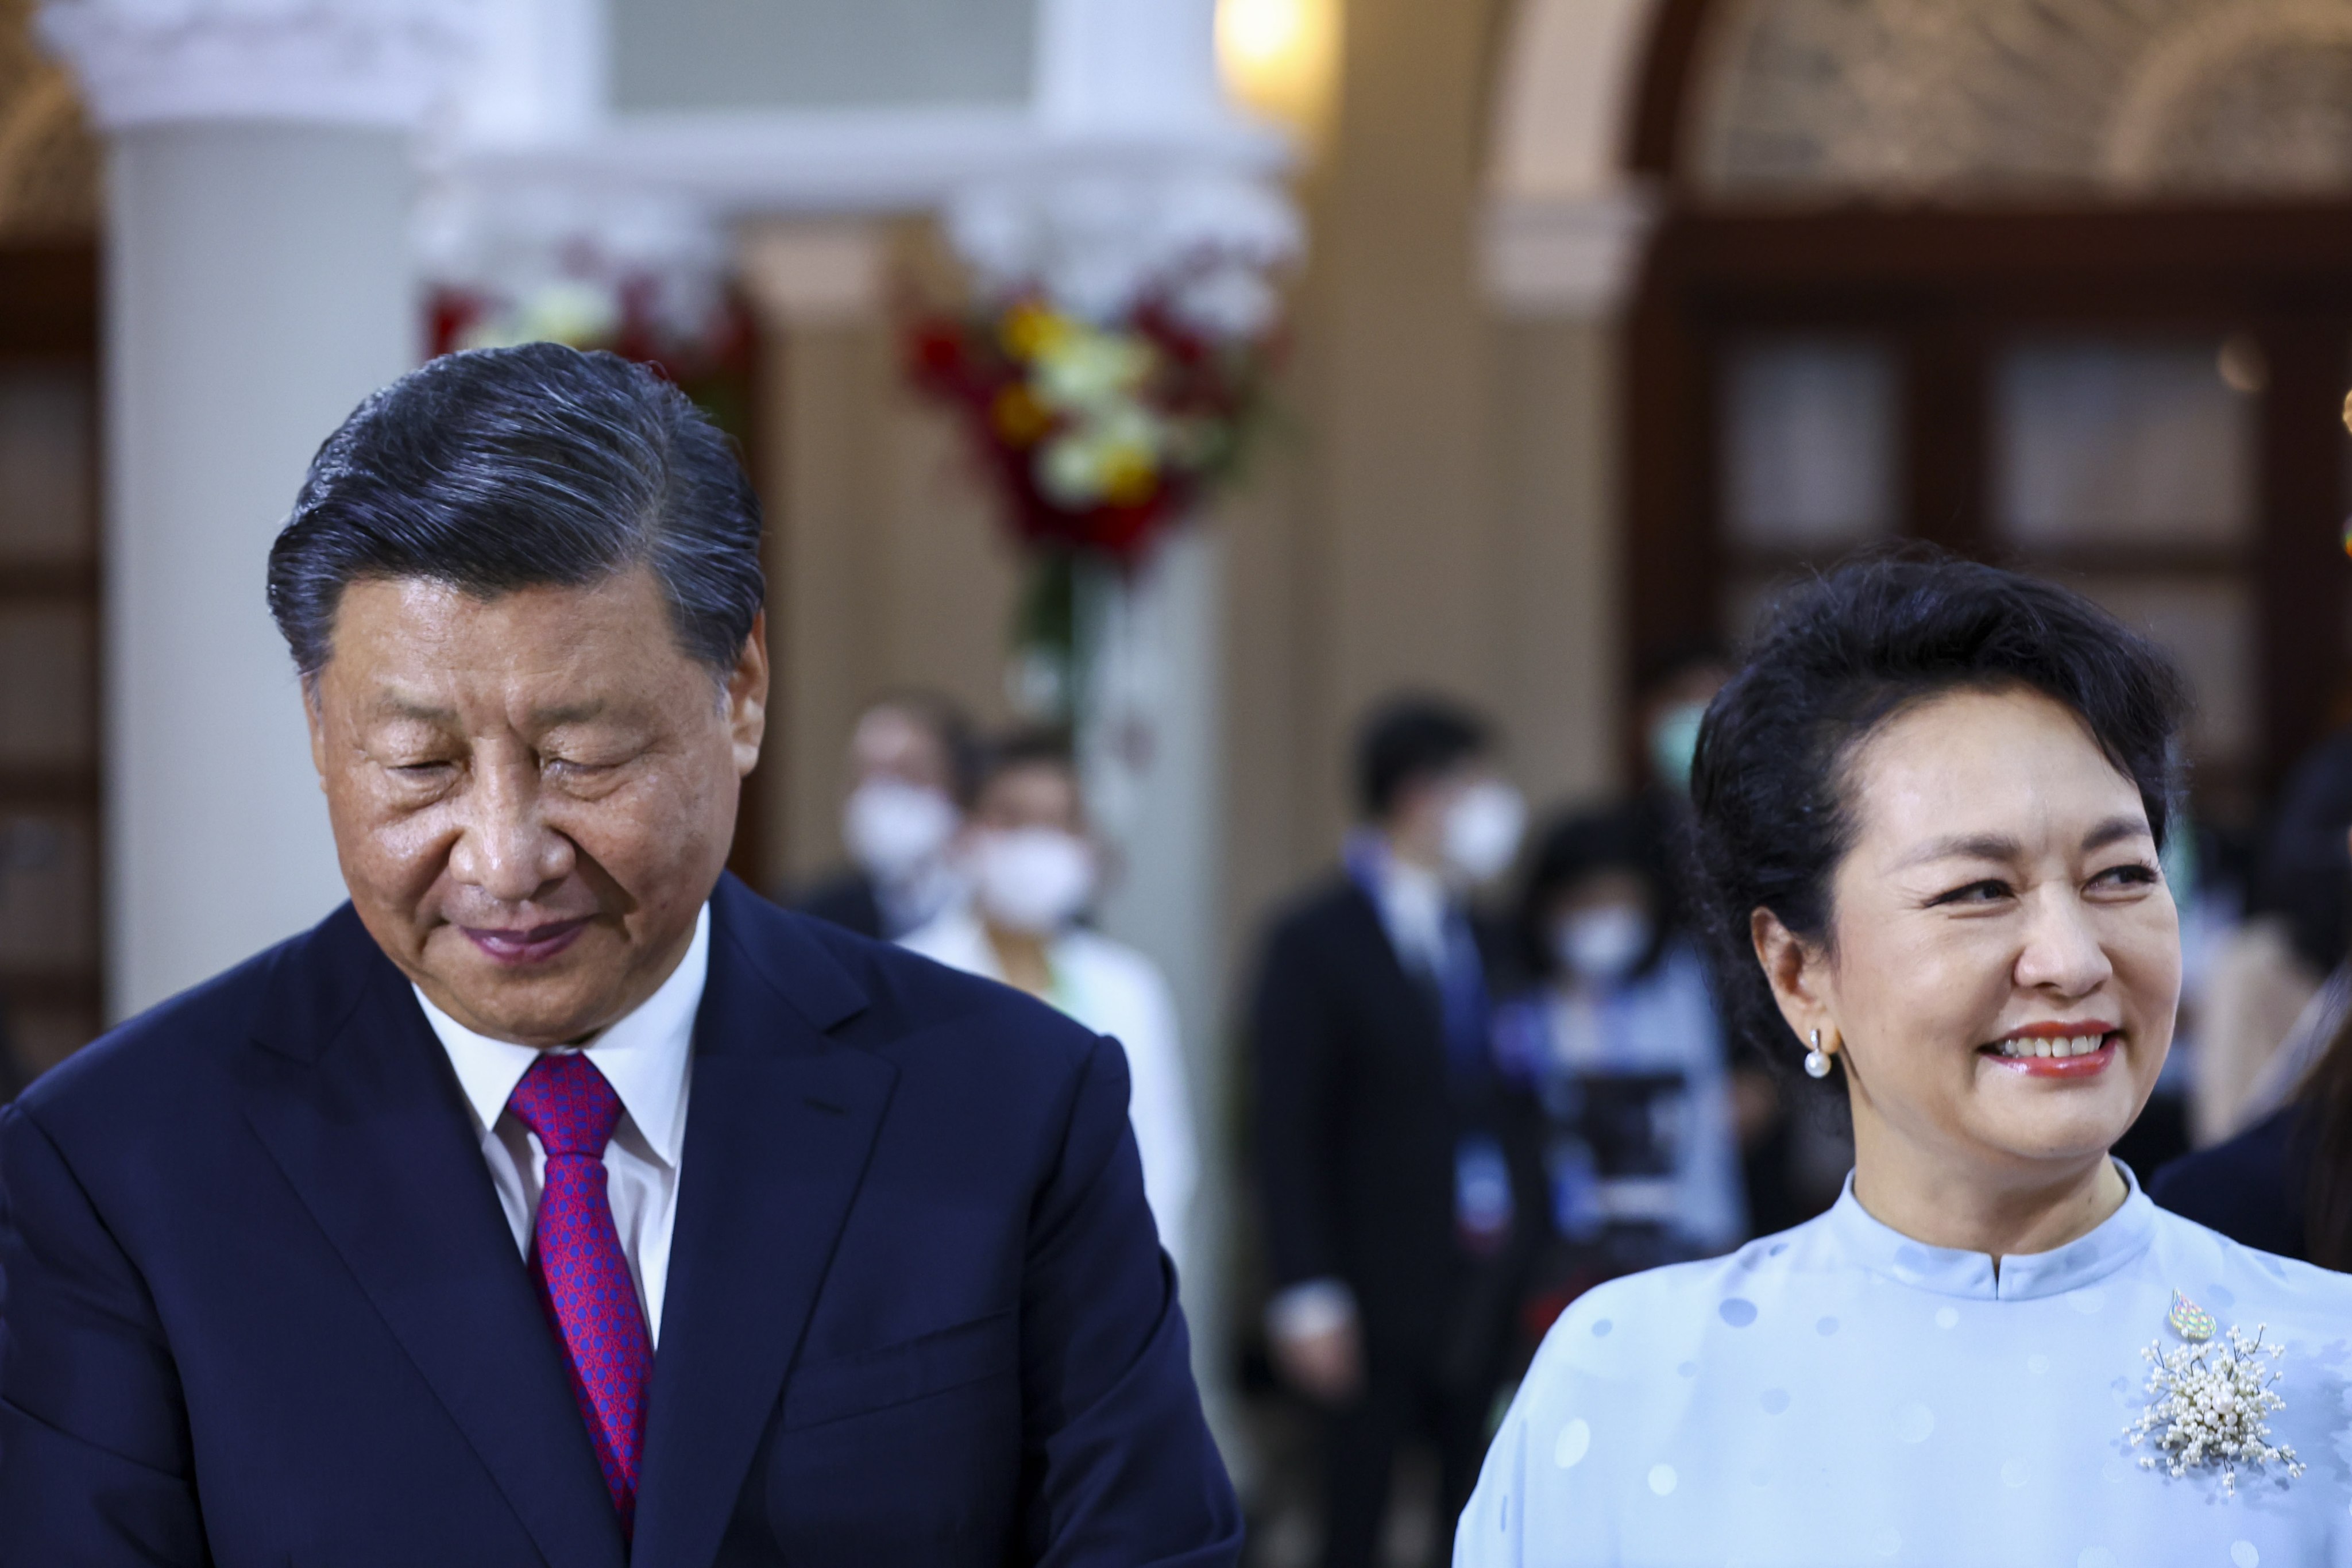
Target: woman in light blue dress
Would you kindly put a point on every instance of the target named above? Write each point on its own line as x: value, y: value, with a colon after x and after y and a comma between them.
x: 1929, y: 813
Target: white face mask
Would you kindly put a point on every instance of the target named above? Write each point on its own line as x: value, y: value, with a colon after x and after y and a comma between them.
x: 1032, y: 880
x: 894, y: 829
x: 1603, y: 944
x: 1483, y: 827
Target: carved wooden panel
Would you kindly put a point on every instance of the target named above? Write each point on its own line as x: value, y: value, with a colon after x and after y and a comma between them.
x: 1973, y: 99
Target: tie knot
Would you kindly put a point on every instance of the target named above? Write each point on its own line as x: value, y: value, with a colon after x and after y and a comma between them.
x: 565, y: 1100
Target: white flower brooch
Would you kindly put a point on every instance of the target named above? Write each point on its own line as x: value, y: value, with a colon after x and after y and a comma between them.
x: 2211, y: 1399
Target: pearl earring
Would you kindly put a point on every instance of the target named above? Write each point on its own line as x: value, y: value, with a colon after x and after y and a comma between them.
x: 1817, y: 1060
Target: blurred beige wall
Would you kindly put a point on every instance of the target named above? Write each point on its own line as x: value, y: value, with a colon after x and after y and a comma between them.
x: 887, y: 567
x: 1434, y: 507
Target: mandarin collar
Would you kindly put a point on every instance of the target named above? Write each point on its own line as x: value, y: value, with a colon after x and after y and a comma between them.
x: 1885, y: 1251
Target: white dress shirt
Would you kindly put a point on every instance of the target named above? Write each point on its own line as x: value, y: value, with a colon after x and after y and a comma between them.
x: 1113, y: 990
x: 647, y: 1056
x: 1414, y: 904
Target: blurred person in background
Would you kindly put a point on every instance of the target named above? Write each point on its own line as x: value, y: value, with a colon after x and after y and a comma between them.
x: 13, y: 1074
x: 2280, y: 984
x: 2283, y: 1183
x: 1620, y: 1044
x: 912, y: 759
x: 1391, y: 1199
x: 1670, y: 700
x: 1789, y: 1164
x: 1031, y: 871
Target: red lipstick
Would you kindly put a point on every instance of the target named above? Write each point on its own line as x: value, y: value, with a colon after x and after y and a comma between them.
x: 2057, y: 1049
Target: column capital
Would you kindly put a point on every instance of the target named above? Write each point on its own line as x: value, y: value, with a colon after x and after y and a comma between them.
x: 337, y: 63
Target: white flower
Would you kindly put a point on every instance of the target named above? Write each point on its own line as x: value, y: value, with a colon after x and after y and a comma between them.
x: 1084, y: 371
x: 2209, y: 1406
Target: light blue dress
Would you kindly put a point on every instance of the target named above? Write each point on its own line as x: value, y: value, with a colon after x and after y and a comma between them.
x: 1840, y: 1394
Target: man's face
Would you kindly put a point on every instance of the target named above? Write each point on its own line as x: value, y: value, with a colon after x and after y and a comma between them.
x: 533, y: 796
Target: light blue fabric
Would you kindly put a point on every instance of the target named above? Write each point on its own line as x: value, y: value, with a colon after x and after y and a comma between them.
x: 1839, y: 1394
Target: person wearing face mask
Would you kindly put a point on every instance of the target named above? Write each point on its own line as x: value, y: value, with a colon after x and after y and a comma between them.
x: 1387, y: 1161
x: 911, y: 762
x: 1783, y: 1157
x: 1620, y: 1046
x: 1029, y: 872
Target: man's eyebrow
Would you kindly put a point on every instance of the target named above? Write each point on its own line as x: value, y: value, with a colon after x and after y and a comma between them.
x: 394, y: 705
x: 569, y: 713
x: 398, y: 706
x: 2114, y: 830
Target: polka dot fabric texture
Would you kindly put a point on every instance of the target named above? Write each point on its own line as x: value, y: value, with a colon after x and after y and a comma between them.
x: 1843, y: 1395
x: 578, y: 1266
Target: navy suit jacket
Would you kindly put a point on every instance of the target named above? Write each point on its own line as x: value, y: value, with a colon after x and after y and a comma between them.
x: 263, y: 1310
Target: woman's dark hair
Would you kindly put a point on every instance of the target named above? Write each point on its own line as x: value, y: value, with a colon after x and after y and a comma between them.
x: 1586, y: 844
x: 1838, y: 658
x: 1409, y: 739
x: 507, y: 469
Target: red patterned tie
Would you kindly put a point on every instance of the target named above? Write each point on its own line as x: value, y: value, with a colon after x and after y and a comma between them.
x: 577, y: 1263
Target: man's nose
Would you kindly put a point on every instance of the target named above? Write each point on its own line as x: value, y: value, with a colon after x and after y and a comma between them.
x: 505, y: 847
x: 2063, y: 952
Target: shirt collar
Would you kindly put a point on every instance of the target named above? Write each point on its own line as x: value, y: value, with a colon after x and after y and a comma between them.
x: 646, y: 1055
x: 1413, y: 902
x: 2117, y: 1240
x: 958, y: 939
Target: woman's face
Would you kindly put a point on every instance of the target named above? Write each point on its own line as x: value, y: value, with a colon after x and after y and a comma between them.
x: 2006, y: 956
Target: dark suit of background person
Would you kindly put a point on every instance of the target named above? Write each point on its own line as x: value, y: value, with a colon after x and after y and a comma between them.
x: 282, y: 1286
x: 2251, y: 1188
x: 1364, y: 1108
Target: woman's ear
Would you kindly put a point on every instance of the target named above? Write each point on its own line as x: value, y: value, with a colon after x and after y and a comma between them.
x: 1795, y: 969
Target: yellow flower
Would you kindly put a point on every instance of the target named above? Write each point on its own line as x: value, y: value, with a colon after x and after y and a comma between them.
x: 1018, y: 416
x: 1032, y: 331
x: 1129, y: 474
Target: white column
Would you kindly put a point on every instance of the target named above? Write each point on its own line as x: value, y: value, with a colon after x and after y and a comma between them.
x: 257, y: 286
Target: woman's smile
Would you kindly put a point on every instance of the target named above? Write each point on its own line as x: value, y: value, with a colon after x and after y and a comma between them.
x: 2059, y: 1050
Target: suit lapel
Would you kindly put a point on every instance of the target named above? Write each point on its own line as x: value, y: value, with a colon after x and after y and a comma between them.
x: 779, y: 1128
x: 354, y: 1100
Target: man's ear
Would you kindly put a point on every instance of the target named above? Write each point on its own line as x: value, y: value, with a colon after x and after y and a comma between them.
x: 747, y: 696
x: 1796, y: 970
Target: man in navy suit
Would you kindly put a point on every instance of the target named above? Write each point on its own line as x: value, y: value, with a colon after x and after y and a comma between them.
x: 557, y: 1200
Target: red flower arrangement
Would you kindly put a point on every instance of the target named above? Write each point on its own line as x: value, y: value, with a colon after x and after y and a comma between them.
x: 1098, y: 438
